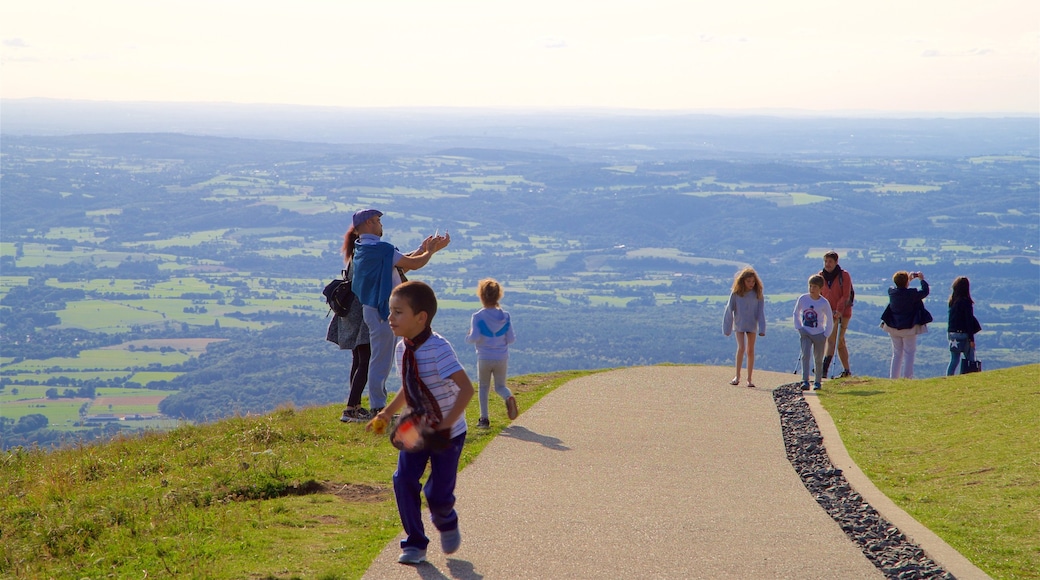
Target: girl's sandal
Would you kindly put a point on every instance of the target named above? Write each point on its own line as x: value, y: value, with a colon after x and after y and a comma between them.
x: 750, y: 385
x: 735, y: 381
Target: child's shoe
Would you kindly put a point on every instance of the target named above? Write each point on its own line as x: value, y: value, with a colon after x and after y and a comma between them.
x: 412, y: 556
x: 483, y: 423
x: 450, y: 541
x: 805, y: 385
x: 511, y: 409
x: 816, y: 386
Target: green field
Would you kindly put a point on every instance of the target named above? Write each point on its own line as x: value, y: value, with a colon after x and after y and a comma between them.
x: 62, y: 414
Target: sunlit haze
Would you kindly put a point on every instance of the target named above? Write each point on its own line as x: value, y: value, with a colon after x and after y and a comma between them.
x: 801, y: 55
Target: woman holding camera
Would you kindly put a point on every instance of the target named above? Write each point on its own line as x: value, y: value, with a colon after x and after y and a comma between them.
x: 904, y: 318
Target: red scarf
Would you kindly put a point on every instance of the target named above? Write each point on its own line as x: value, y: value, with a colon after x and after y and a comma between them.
x: 420, y: 400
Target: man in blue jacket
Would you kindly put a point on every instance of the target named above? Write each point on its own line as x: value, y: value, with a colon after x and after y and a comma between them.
x: 378, y: 268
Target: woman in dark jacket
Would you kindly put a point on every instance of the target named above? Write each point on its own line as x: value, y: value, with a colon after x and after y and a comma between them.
x: 904, y: 318
x: 962, y: 326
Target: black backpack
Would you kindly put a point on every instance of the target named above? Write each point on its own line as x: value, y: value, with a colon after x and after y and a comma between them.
x: 339, y: 295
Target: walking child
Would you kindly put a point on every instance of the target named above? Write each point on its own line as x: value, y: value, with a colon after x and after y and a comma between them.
x: 745, y: 313
x: 437, y: 390
x: 813, y: 319
x: 491, y: 332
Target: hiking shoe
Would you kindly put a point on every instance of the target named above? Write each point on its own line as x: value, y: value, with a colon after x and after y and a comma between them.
x: 412, y: 556
x: 450, y: 541
x: 826, y: 365
x: 511, y: 409
x: 805, y: 385
x: 355, y: 415
x: 844, y: 374
x: 483, y: 423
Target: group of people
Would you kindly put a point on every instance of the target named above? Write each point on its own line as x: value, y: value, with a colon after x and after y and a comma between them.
x: 906, y: 317
x: 822, y: 314
x: 821, y: 317
x: 434, y: 386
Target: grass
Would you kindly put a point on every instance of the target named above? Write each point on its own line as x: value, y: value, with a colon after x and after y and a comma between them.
x: 960, y: 454
x: 292, y: 494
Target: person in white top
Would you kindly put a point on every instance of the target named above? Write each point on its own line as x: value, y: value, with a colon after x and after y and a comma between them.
x: 813, y: 319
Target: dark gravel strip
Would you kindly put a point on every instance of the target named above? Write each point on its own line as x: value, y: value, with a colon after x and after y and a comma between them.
x: 882, y: 543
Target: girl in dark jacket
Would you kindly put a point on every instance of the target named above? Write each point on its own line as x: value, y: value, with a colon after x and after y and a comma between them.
x: 903, y: 319
x: 962, y: 326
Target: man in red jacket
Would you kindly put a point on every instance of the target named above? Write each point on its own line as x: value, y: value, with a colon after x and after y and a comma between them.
x: 837, y: 290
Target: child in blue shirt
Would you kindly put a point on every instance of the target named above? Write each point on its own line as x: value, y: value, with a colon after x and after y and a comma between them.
x: 435, y: 388
x: 491, y: 332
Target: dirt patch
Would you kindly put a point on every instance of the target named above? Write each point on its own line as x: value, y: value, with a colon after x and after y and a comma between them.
x: 152, y: 400
x: 357, y: 492
x: 528, y: 383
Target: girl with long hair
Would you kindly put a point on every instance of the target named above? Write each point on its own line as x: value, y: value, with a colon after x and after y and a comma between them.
x: 962, y: 326
x: 745, y: 314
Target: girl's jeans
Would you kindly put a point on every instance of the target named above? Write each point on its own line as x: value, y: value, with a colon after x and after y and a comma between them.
x: 485, y: 370
x: 960, y: 343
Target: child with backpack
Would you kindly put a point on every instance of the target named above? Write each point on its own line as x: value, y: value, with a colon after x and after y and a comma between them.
x: 813, y: 321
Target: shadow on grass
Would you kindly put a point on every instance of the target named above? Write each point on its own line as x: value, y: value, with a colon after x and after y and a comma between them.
x: 525, y: 434
x: 859, y: 393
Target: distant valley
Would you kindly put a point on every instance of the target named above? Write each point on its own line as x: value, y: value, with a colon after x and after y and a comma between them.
x: 190, y: 266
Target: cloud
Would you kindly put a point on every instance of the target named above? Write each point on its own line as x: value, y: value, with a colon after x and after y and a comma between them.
x: 15, y: 43
x: 935, y: 53
x: 554, y: 43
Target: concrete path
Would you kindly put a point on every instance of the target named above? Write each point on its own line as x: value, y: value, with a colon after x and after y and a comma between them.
x: 647, y: 472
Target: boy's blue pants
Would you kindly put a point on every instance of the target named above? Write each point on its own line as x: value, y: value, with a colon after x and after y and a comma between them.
x: 439, y: 490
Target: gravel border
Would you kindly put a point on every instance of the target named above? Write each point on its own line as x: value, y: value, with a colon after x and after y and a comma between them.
x: 881, y: 542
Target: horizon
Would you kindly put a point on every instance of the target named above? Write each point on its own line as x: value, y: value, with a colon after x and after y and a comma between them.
x: 591, y: 111
x: 812, y: 58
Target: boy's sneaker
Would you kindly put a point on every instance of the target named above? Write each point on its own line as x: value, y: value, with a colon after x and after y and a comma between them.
x: 412, y: 556
x: 511, y: 409
x: 805, y: 385
x: 450, y: 541
x: 355, y: 415
x: 844, y: 373
x: 816, y: 386
x: 483, y: 423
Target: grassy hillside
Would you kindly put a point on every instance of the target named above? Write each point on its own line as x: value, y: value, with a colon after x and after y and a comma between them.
x: 292, y: 494
x: 297, y: 494
x: 960, y: 454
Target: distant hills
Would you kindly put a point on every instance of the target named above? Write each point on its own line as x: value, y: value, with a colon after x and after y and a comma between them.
x: 616, y: 236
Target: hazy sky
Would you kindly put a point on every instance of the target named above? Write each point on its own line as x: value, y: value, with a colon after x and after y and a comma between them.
x: 816, y: 55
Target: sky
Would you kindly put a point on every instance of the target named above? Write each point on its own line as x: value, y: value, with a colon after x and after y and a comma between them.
x: 690, y: 55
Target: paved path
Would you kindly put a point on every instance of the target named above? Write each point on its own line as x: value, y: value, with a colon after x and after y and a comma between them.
x: 647, y: 472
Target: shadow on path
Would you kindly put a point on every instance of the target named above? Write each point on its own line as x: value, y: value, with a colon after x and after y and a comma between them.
x: 525, y: 434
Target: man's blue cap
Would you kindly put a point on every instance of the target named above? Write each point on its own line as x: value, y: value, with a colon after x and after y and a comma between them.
x: 364, y: 215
